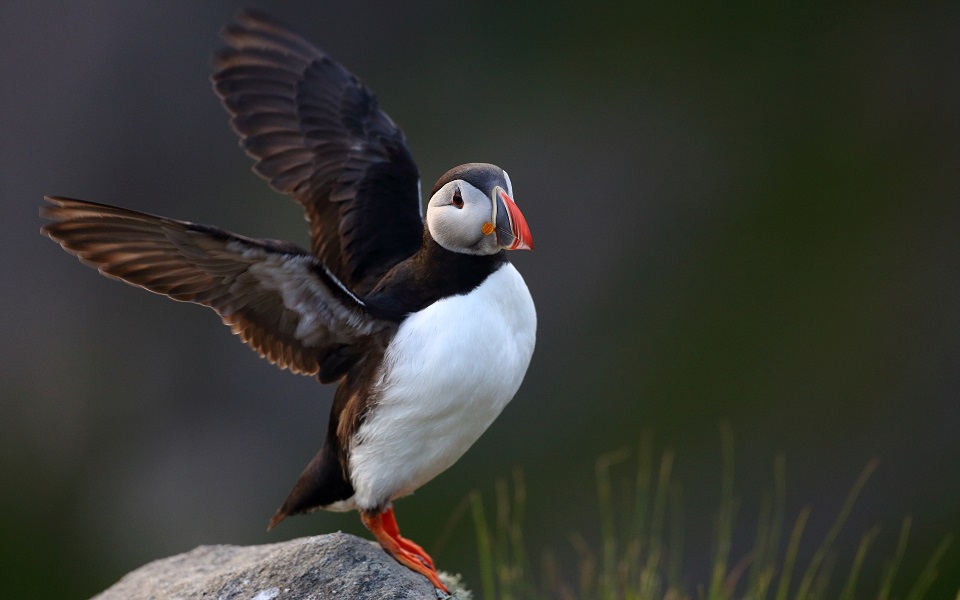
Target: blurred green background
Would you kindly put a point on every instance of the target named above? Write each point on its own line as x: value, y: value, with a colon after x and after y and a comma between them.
x: 741, y: 213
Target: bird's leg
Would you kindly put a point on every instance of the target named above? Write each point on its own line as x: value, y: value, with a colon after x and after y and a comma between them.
x: 391, y: 527
x: 387, y: 533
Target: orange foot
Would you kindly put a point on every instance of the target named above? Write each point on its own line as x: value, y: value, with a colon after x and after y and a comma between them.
x: 384, y: 527
x: 393, y: 530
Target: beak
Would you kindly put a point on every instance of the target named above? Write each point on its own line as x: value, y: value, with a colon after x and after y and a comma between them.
x: 511, y: 228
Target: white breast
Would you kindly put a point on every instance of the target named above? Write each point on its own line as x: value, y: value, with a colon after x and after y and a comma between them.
x: 448, y: 373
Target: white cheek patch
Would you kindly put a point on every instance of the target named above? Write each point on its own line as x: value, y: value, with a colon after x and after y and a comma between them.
x: 439, y: 218
x: 461, y: 229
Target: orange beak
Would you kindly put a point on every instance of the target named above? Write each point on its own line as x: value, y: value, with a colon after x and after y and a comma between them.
x: 511, y: 228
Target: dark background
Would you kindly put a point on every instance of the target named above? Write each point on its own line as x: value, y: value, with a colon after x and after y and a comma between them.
x: 740, y: 214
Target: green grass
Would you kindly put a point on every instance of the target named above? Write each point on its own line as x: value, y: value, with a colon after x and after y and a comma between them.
x: 639, y: 555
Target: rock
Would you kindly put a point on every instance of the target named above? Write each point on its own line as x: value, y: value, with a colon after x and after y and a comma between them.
x: 337, y: 565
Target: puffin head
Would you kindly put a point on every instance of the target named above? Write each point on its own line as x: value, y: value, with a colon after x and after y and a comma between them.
x: 471, y: 211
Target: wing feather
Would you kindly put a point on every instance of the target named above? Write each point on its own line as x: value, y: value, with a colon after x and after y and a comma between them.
x: 317, y: 133
x: 277, y: 297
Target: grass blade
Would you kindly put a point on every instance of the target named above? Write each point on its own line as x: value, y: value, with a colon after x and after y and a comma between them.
x: 831, y: 536
x: 484, y: 546
x: 791, y: 556
x: 627, y: 567
x: 608, y: 532
x: 886, y: 584
x: 724, y: 516
x: 929, y: 573
x: 850, y: 587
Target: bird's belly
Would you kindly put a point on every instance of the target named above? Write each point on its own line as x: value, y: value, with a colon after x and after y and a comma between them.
x: 447, y: 374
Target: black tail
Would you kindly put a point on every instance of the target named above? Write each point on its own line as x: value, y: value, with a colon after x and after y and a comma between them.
x: 322, y: 483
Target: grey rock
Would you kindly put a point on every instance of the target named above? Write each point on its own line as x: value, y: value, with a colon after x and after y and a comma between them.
x: 337, y: 565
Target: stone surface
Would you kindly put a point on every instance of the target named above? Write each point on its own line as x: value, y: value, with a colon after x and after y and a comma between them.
x: 337, y: 565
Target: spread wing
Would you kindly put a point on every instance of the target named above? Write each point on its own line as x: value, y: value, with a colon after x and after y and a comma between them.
x: 277, y: 297
x: 318, y: 135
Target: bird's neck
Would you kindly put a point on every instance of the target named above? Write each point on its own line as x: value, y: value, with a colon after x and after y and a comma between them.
x: 433, y: 273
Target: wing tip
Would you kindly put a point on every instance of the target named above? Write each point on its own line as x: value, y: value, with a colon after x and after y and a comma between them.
x: 245, y: 19
x: 254, y: 16
x: 252, y: 28
x: 57, y: 209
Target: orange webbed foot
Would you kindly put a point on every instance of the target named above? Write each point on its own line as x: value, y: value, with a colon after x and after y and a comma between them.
x: 384, y: 528
x: 393, y: 530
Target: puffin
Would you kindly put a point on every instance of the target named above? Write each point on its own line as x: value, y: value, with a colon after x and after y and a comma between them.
x: 417, y: 316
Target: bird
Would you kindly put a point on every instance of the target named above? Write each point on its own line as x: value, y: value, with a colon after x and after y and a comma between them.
x: 417, y: 316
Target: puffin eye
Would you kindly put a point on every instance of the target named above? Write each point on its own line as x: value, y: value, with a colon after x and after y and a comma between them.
x: 458, y: 199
